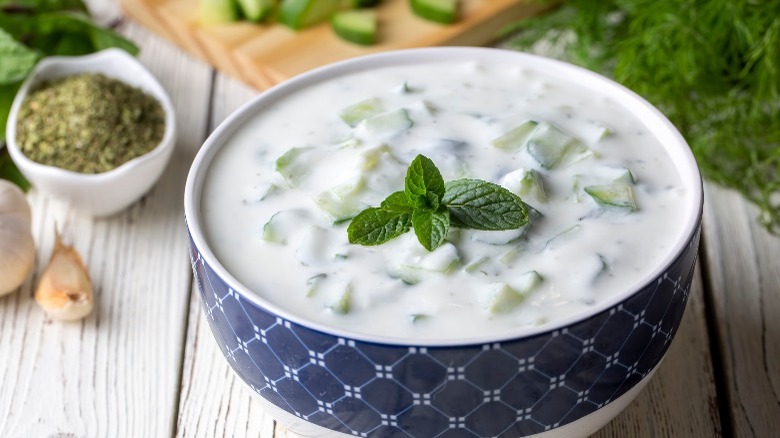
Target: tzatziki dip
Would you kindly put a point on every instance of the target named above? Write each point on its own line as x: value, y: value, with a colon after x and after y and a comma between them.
x: 604, y: 199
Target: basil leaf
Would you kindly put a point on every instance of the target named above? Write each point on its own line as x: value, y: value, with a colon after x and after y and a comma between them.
x: 18, y: 60
x: 397, y: 202
x: 424, y: 185
x: 431, y: 227
x: 375, y: 226
x: 482, y: 205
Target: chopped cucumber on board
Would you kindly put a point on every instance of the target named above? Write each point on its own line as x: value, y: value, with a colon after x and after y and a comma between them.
x: 299, y: 14
x: 257, y: 10
x: 218, y: 11
x: 356, y: 113
x: 356, y: 26
x: 617, y: 195
x: 440, y: 11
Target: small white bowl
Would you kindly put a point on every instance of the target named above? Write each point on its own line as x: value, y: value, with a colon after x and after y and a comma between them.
x: 100, y: 194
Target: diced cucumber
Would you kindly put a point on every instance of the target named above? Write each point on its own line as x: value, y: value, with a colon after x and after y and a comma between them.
x: 292, y: 166
x: 344, y: 303
x: 257, y: 10
x: 562, y: 236
x: 299, y: 14
x: 261, y: 192
x: 617, y: 195
x: 282, y: 226
x: 339, y: 208
x: 603, y: 268
x: 440, y: 11
x: 356, y: 113
x: 417, y: 317
x: 616, y: 174
x: 340, y: 202
x: 525, y: 183
x: 416, y: 262
x: 218, y: 11
x: 373, y: 157
x: 595, y: 132
x: 549, y: 145
x: 503, y: 298
x: 475, y: 265
x: 516, y: 137
x: 313, y: 284
x: 356, y: 26
x: 404, y: 88
x: 423, y: 107
x: 351, y: 142
x: 314, y: 248
x: 497, y: 237
x: 389, y: 123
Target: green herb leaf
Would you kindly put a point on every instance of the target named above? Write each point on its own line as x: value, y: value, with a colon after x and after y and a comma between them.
x: 397, y: 202
x: 431, y: 227
x: 18, y: 60
x: 431, y: 207
x: 424, y: 185
x: 482, y: 205
x: 711, y: 67
x: 375, y: 226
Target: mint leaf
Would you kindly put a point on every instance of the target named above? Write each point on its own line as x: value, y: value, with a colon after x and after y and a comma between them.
x: 18, y: 60
x: 482, y: 205
x: 397, y: 202
x: 431, y: 227
x: 375, y: 226
x: 424, y: 185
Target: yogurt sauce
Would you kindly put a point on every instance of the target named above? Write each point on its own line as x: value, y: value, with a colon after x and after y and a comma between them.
x: 271, y: 224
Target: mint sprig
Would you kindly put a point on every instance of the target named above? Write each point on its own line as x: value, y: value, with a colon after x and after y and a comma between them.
x: 431, y: 207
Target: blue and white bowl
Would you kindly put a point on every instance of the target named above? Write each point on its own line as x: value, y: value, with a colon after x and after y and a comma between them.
x: 565, y: 379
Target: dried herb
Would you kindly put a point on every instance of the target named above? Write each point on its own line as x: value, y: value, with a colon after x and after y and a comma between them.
x: 712, y: 66
x: 44, y: 27
x: 88, y: 123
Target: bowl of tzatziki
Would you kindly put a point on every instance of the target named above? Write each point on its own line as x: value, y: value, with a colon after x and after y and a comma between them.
x: 444, y: 242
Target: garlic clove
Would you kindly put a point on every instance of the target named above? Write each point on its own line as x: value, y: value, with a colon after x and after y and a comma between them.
x: 17, y: 246
x: 65, y: 291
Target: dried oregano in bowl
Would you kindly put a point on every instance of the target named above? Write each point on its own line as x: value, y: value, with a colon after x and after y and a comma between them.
x: 88, y: 123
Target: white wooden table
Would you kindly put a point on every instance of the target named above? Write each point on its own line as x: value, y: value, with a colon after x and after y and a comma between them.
x: 144, y: 364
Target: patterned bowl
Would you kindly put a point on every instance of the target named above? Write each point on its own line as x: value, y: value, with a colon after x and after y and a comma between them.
x: 566, y: 379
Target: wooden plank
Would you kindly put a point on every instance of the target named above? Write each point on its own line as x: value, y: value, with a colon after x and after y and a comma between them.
x: 117, y: 372
x: 744, y: 280
x: 214, y: 402
x: 680, y: 400
x: 265, y: 54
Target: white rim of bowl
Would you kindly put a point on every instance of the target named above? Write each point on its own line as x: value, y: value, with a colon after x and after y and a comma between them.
x: 651, y: 117
x: 152, y: 87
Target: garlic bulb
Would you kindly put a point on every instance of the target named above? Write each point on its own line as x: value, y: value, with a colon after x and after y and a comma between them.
x: 65, y: 291
x: 17, y: 247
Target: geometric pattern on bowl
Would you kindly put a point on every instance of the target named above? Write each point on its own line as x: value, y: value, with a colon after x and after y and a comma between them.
x: 507, y: 389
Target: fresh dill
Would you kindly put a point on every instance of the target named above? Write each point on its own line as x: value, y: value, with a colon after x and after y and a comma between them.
x: 712, y: 66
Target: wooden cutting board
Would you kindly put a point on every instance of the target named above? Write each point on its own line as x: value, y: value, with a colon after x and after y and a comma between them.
x: 263, y: 55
